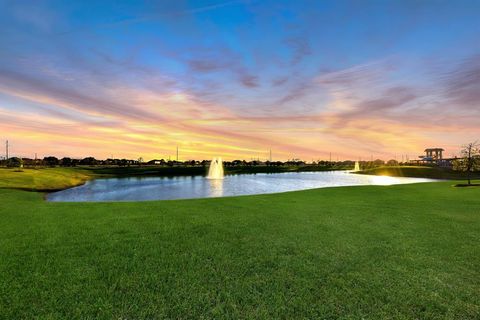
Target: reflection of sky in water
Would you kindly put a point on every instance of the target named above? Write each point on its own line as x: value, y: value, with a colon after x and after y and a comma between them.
x: 163, y: 188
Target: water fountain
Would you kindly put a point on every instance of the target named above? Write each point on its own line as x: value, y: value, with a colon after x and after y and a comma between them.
x: 357, y: 166
x: 216, y: 169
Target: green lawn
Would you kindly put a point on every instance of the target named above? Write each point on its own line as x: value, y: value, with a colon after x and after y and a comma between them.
x: 399, y: 252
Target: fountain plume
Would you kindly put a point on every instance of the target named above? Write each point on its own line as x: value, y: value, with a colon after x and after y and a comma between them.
x: 357, y: 166
x: 216, y: 169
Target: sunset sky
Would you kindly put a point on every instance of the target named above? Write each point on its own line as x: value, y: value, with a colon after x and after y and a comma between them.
x: 237, y: 78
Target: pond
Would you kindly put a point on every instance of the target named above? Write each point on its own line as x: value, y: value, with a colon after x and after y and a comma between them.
x: 187, y: 187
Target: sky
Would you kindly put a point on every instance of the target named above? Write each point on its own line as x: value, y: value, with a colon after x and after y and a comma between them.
x: 305, y: 79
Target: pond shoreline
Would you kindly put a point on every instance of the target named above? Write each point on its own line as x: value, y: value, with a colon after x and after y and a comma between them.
x: 145, y: 188
x: 52, y: 179
x: 61, y: 178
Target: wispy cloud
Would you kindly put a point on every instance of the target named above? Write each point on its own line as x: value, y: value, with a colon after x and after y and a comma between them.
x: 300, y: 48
x: 462, y: 84
x: 232, y: 78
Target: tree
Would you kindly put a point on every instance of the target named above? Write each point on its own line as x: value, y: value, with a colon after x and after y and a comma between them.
x: 392, y: 162
x: 51, y: 161
x: 14, y: 162
x: 89, y: 161
x: 66, y: 162
x: 470, y: 160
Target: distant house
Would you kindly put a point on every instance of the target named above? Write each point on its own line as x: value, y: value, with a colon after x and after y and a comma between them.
x: 156, y: 162
x: 434, y: 156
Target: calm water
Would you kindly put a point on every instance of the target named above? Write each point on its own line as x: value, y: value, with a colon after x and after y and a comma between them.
x: 165, y: 188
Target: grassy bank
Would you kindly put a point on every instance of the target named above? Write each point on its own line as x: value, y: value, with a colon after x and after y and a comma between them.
x: 400, y: 252
x: 419, y: 172
x: 47, y: 179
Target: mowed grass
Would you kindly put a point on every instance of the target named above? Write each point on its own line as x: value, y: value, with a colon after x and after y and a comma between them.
x: 43, y: 179
x: 399, y: 252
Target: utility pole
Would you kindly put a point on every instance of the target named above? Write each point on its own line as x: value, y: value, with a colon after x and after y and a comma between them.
x: 177, y: 153
x: 6, y: 148
x: 270, y: 155
x: 330, y: 157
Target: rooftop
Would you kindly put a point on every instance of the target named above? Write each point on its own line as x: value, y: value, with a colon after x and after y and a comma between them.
x: 434, y: 149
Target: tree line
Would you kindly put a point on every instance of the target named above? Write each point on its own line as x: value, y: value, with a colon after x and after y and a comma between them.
x: 469, y: 162
x: 52, y: 161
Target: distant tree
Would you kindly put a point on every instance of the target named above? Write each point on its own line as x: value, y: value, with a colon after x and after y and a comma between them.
x: 14, y: 162
x: 66, y: 162
x: 140, y: 161
x: 470, y: 160
x: 191, y: 163
x: 51, y: 161
x: 89, y: 161
x: 392, y: 162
